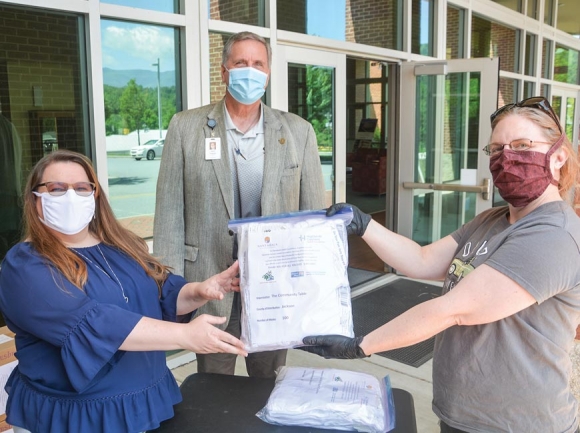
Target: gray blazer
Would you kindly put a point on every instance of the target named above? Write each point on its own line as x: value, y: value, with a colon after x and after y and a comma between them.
x: 195, y: 197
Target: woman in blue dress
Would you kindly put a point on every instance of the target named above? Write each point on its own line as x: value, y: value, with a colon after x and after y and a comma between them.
x: 93, y: 312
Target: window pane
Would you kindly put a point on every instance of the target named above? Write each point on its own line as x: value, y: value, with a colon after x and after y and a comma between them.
x: 549, y: 12
x: 569, y: 121
x: 311, y: 96
x: 508, y: 91
x: 547, y: 49
x: 568, y: 13
x: 141, y: 91
x: 373, y: 22
x: 455, y: 32
x: 515, y: 5
x: 566, y: 65
x: 489, y: 39
x: 43, y: 100
x: 249, y: 12
x: 422, y: 38
x: 557, y: 104
x: 171, y: 6
x: 530, y: 54
x: 533, y: 9
x: 529, y: 89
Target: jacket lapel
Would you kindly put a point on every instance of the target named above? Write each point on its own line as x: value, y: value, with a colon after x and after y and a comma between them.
x: 275, y: 145
x: 222, y: 166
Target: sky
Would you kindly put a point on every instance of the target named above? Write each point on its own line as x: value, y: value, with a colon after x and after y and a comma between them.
x: 137, y: 46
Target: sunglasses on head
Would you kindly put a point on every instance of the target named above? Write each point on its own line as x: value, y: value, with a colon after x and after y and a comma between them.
x: 538, y: 102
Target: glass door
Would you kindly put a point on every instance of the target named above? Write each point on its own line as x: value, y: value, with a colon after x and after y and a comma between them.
x: 443, y: 177
x: 564, y: 102
x: 312, y: 85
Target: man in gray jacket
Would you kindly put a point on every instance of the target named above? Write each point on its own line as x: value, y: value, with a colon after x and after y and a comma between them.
x: 237, y: 158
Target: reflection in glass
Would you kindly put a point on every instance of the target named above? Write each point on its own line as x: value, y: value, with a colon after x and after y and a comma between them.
x: 549, y: 12
x: 533, y: 9
x: 422, y: 27
x: 375, y: 22
x: 366, y: 129
x: 529, y: 89
x: 489, y: 39
x: 569, y: 124
x: 515, y: 5
x: 311, y: 96
x: 43, y: 102
x: 566, y: 67
x: 567, y: 19
x: 141, y: 82
x: 547, y: 50
x: 455, y: 33
x: 251, y: 12
x: 557, y: 105
x: 508, y: 91
x: 530, y: 54
x: 443, y: 151
x: 171, y: 6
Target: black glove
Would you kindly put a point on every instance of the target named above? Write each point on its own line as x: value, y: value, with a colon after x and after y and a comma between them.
x: 360, y: 220
x: 334, y: 346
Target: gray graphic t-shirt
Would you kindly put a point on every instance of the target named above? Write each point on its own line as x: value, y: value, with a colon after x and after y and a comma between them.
x: 512, y: 375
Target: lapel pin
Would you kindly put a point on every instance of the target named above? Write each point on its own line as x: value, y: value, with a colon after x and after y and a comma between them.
x: 282, y: 141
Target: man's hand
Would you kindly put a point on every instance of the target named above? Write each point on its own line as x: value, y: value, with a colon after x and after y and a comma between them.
x: 216, y: 286
x: 360, y: 220
x: 334, y: 346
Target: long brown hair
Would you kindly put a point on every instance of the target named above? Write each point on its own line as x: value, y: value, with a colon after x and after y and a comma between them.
x: 104, y: 226
x: 569, y: 171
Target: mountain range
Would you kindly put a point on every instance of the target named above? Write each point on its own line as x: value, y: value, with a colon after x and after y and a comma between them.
x: 143, y: 77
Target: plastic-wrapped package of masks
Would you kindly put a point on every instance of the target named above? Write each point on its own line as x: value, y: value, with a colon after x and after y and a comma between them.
x: 293, y: 278
x: 331, y: 399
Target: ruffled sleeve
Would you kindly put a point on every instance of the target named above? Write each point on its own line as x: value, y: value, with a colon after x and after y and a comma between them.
x: 87, y: 352
x: 169, y: 293
x: 41, y: 304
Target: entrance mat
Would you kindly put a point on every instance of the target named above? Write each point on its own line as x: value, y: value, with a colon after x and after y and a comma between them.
x: 373, y: 309
x: 358, y: 276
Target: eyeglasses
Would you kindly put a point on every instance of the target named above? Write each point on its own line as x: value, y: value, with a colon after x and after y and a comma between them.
x: 519, y: 145
x: 83, y: 189
x: 538, y: 102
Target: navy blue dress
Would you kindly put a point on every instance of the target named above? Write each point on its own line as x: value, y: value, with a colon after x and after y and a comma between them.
x: 71, y: 375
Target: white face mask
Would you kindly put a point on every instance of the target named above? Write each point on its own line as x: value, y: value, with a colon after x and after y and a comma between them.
x: 68, y: 213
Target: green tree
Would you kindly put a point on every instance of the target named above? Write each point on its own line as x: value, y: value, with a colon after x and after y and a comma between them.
x: 133, y: 106
x: 113, y: 118
x: 319, y: 102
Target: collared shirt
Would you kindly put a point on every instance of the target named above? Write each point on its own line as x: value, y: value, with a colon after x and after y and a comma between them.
x: 247, y: 165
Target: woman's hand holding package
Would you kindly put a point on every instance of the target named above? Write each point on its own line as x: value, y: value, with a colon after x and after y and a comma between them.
x: 360, y: 220
x: 334, y: 346
x: 205, y: 337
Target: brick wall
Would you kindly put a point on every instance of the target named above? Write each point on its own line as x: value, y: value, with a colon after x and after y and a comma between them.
x: 372, y: 22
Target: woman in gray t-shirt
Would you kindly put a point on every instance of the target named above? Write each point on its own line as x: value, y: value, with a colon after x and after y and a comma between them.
x: 506, y: 320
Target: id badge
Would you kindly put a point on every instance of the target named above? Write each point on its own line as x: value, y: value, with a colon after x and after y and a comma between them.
x: 213, y: 148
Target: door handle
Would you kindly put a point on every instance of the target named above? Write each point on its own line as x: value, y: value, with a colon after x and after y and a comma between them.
x: 484, y: 189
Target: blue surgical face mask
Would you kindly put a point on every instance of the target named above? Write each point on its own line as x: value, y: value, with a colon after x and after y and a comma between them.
x: 246, y: 85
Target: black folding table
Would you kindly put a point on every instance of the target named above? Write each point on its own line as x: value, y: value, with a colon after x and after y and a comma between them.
x: 219, y: 403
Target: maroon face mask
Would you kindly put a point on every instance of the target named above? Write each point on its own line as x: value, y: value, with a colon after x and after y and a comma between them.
x: 521, y: 177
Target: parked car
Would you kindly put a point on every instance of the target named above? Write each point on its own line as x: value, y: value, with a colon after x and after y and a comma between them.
x: 149, y: 150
